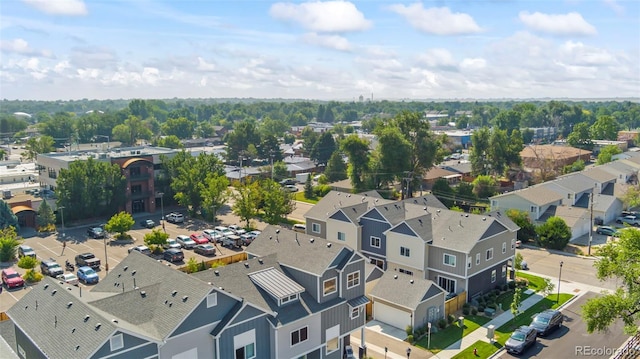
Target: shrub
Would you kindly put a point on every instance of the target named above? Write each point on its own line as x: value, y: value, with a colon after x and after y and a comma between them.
x: 505, y: 287
x: 202, y: 266
x: 217, y: 264
x: 466, y: 305
x: 321, y: 190
x: 409, y: 330
x: 442, y: 323
x: 474, y: 311
x: 47, y: 228
x: 466, y: 310
x: 32, y: 276
x: 451, y: 318
x: 481, y: 308
x: 9, y: 243
x: 492, y: 306
x: 410, y: 338
x: 512, y: 285
x: 27, y: 262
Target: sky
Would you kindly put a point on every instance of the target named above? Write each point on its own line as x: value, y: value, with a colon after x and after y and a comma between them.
x: 319, y: 50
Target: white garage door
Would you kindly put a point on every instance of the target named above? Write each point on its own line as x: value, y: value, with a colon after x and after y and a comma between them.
x: 392, y: 316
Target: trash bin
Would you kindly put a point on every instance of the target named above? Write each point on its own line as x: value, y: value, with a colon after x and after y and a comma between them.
x: 461, y: 322
x: 491, y: 331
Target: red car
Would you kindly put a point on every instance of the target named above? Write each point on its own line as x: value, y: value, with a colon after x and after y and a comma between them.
x: 11, y: 278
x: 199, y: 238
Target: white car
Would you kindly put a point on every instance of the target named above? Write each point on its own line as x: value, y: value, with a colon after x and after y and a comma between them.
x: 213, y: 235
x: 185, y: 242
x: 69, y: 278
x: 172, y: 243
x: 224, y: 230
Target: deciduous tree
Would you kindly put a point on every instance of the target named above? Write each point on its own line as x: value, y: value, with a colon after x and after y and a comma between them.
x: 247, y: 197
x: 215, y: 192
x: 336, y: 169
x: 120, y: 223
x: 9, y: 242
x: 38, y: 145
x: 484, y: 186
x: 357, y: 150
x: 527, y: 230
x: 606, y: 154
x: 156, y: 237
x: 554, y: 233
x: 605, y: 128
x: 276, y: 202
x: 323, y: 148
x: 580, y: 137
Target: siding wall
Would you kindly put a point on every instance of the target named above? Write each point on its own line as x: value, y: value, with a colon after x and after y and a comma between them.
x: 283, y: 337
x: 323, y: 228
x: 481, y: 282
x: 357, y: 266
x: 421, y: 312
x: 341, y: 315
x: 202, y: 315
x: 416, y: 261
x: 331, y: 273
x: 498, y: 257
x: 308, y: 281
x: 129, y: 342
x: 350, y: 230
x: 263, y: 338
x: 436, y: 261
x: 25, y: 343
x: 200, y: 338
x: 376, y: 229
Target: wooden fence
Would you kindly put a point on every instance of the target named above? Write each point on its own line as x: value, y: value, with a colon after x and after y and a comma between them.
x: 228, y: 259
x: 3, y: 316
x: 454, y: 304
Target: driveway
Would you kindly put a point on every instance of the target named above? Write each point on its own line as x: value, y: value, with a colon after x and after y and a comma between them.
x: 379, y: 336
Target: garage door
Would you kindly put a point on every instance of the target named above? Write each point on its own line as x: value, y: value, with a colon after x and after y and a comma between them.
x: 392, y: 316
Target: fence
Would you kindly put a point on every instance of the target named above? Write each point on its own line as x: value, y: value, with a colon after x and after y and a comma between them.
x: 630, y: 350
x: 454, y: 304
x: 3, y: 316
x: 228, y: 259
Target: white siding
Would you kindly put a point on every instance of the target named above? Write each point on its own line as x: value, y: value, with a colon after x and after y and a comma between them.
x: 349, y: 229
x: 417, y: 252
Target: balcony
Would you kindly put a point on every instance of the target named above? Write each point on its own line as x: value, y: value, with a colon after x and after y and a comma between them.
x: 140, y: 194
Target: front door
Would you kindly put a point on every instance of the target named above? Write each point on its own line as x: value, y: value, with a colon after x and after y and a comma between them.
x: 137, y: 206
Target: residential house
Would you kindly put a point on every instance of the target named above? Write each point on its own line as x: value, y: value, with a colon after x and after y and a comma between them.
x: 436, y: 173
x: 534, y: 200
x: 603, y: 180
x: 402, y: 300
x: 462, y: 168
x: 550, y: 157
x: 574, y: 187
x: 626, y: 173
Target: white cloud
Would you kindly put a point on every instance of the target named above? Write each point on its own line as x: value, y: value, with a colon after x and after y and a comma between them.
x: 204, y: 65
x: 329, y: 41
x: 557, y: 24
x: 613, y: 4
x: 21, y: 46
x: 437, y: 58
x: 580, y: 54
x: 437, y: 20
x: 473, y: 64
x: 59, y: 7
x: 318, y: 16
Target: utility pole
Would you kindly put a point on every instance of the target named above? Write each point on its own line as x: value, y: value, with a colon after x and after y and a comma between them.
x: 591, y: 221
x: 408, y: 176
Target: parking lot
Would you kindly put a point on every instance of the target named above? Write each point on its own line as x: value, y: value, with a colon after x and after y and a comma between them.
x: 75, y: 241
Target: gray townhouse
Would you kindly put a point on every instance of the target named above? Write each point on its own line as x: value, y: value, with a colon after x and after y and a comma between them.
x: 145, y: 309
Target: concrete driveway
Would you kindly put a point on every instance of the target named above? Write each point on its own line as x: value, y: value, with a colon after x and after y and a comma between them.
x: 380, y: 336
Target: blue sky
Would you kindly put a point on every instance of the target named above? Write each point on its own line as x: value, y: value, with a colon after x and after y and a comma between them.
x: 483, y: 49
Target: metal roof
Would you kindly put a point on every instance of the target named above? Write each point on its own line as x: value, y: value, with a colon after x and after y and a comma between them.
x: 276, y: 283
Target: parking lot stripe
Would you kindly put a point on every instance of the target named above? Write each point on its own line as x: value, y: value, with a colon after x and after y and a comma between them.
x: 12, y: 296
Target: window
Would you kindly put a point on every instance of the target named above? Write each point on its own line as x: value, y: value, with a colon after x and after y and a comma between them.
x: 288, y: 299
x: 244, y: 345
x: 342, y: 236
x: 533, y: 208
x: 504, y: 247
x: 447, y: 284
x: 116, y: 342
x: 332, y: 336
x: 246, y: 352
x: 489, y: 254
x: 355, y: 312
x: 568, y: 195
x: 406, y: 252
x: 468, y: 262
x: 329, y: 286
x: 504, y: 271
x: 299, y: 336
x: 513, y: 244
x: 353, y: 279
x: 21, y: 351
x: 494, y: 203
x: 478, y: 259
x: 315, y: 227
x: 405, y: 271
x: 375, y: 242
x: 212, y: 300
x: 377, y: 262
x: 493, y: 276
x: 449, y: 260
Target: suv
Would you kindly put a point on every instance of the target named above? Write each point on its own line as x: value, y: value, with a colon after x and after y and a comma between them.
x: 630, y: 219
x: 174, y: 217
x: 88, y: 259
x: 173, y: 255
x: 288, y: 181
x: 11, y: 278
x: 96, y: 232
x: 51, y: 268
x: 26, y: 251
x: 148, y: 223
x: 142, y: 249
x: 547, y: 321
x: 521, y: 339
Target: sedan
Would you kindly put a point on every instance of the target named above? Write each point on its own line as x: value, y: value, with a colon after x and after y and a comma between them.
x: 290, y: 188
x: 199, y: 238
x: 205, y: 249
x: 212, y: 235
x: 87, y: 275
x: 607, y: 231
x: 172, y: 243
x: 148, y: 223
x: 185, y: 242
x: 68, y: 278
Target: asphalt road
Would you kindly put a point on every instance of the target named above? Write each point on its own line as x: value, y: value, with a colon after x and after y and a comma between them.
x: 573, y: 341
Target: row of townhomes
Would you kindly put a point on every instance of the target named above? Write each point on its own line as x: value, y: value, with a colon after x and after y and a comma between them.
x: 420, y: 239
x: 572, y: 197
x: 275, y: 304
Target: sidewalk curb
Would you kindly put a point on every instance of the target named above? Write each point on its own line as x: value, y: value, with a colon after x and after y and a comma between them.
x: 560, y: 253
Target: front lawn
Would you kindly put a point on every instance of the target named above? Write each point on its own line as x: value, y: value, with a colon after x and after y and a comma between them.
x: 299, y: 196
x: 505, y: 299
x: 535, y: 283
x: 484, y: 350
x: 443, y: 338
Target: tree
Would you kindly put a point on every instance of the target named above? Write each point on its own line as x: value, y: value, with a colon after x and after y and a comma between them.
x: 29, y: 263
x: 9, y: 242
x: 308, y: 188
x: 554, y: 233
x: 631, y: 197
x: 606, y: 154
x: 192, y: 265
x: 393, y: 153
x: 179, y: 127
x: 577, y: 166
x: 170, y: 141
x: 215, y: 192
x: 46, y: 217
x: 280, y: 171
x: 131, y: 131
x: 7, y: 218
x: 620, y: 260
x: 38, y: 145
x: 120, y: 223
x: 247, y: 197
x: 527, y: 229
x: 276, y: 202
x: 443, y: 191
x: 605, y: 128
x: 547, y: 287
x: 479, y: 155
x: 244, y: 133
x: 518, y: 261
x: 157, y: 238
x: 484, y: 186
x: 357, y: 150
x: 323, y: 148
x: 580, y: 137
x: 516, y: 303
x: 336, y: 169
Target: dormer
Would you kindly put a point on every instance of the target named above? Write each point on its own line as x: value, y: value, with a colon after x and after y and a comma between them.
x: 281, y: 288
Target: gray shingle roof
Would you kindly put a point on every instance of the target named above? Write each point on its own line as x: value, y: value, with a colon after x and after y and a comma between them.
x: 574, y: 182
x: 426, y: 200
x: 504, y: 219
x: 397, y: 288
x: 159, y: 311
x: 421, y: 226
x: 460, y: 231
x: 539, y: 195
x: 599, y: 175
x: 334, y: 200
x: 57, y: 328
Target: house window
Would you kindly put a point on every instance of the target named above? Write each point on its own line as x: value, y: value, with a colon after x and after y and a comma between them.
x: 21, y: 351
x: 116, y: 342
x: 329, y: 286
x: 478, y: 259
x: 568, y: 195
x: 493, y: 276
x: 449, y: 260
x: 489, y: 254
x: 377, y: 262
x: 315, y: 227
x: 533, y: 208
x: 504, y: 247
x: 468, y: 262
x: 504, y: 271
x: 375, y: 242
x: 513, y: 244
x: 299, y: 336
x: 405, y: 271
x: 212, y: 300
x: 245, y: 345
x: 342, y: 236
x: 494, y: 203
x: 246, y: 352
x: 288, y: 299
x: 447, y: 284
x: 353, y: 279
x: 332, y: 336
x: 406, y: 252
x: 355, y: 312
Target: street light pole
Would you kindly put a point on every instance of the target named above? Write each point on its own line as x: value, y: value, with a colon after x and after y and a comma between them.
x: 61, y: 208
x: 161, y: 194
x: 559, y: 279
x: 106, y: 258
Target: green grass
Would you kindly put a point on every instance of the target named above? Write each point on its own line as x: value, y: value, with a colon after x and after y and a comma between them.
x: 299, y: 196
x: 535, y: 283
x: 507, y: 298
x: 452, y: 333
x: 484, y: 350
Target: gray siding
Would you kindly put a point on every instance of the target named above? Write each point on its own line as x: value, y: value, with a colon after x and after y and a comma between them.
x: 498, y: 257
x: 308, y: 281
x: 263, y: 338
x: 481, y: 282
x: 331, y: 273
x: 323, y: 228
x: 421, y: 313
x: 376, y: 229
x: 247, y: 313
x: 357, y: 290
x: 436, y: 261
x: 146, y: 351
x: 340, y: 216
x: 283, y: 341
x: 129, y: 342
x: 341, y: 314
x: 29, y: 348
x: 202, y: 315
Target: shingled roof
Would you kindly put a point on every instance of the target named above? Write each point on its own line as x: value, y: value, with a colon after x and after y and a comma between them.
x: 335, y: 200
x: 404, y: 290
x: 461, y: 231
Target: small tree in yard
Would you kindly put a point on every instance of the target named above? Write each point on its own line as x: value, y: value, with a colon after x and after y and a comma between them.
x: 9, y: 242
x: 518, y: 261
x: 554, y: 233
x: 46, y: 218
x: 156, y: 238
x: 527, y: 229
x: 192, y: 265
x: 517, y: 301
x: 308, y: 188
x: 29, y: 263
x: 547, y: 287
x: 120, y: 223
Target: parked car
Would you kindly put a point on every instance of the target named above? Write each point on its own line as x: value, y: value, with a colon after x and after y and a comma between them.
x: 87, y: 275
x: 171, y: 243
x: 348, y: 352
x: 300, y: 228
x: 173, y: 255
x: 607, y: 231
x: 96, y: 232
x: 142, y: 249
x: 51, y: 268
x: 185, y: 242
x: 547, y: 321
x: 224, y: 230
x: 630, y: 219
x: 232, y: 241
x: 148, y: 223
x: 288, y: 181
x: 246, y: 239
x: 521, y: 339
x: 87, y: 259
x: 199, y: 238
x: 205, y: 249
x: 212, y: 235
x: 26, y: 251
x: 68, y: 278
x: 291, y: 188
x: 11, y: 278
x: 254, y: 234
x: 174, y: 217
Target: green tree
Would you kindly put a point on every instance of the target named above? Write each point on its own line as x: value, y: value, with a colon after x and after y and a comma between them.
x: 27, y: 262
x: 527, y: 229
x: 192, y: 265
x: 443, y: 191
x: 393, y: 153
x: 464, y: 191
x: 606, y: 154
x: 547, y: 287
x: 323, y: 148
x: 120, y: 223
x: 38, y: 145
x: 336, y: 169
x: 484, y: 186
x: 157, y: 238
x: 631, y: 197
x: 479, y: 156
x: 516, y: 303
x: 46, y: 217
x: 276, y: 202
x: 215, y: 192
x: 132, y: 130
x: 9, y: 242
x: 280, y: 171
x: 179, y: 127
x: 619, y: 260
x: 577, y: 166
x: 580, y: 137
x: 357, y: 150
x: 308, y: 188
x: 554, y: 233
x: 170, y: 141
x: 244, y: 133
x: 605, y: 128
x: 7, y: 218
x: 247, y: 197
x: 518, y: 261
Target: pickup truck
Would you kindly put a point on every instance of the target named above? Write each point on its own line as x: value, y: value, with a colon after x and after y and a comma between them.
x: 88, y: 259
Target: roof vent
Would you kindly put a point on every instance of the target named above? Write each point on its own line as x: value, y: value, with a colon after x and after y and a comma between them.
x: 119, y: 275
x: 46, y: 286
x: 173, y: 294
x: 411, y: 281
x: 184, y: 299
x: 115, y: 320
x: 220, y: 288
x: 86, y: 317
x: 395, y: 276
x: 311, y: 240
x: 328, y: 245
x: 170, y: 304
x: 98, y: 326
x: 246, y: 265
x: 260, y: 260
x: 73, y: 330
x: 420, y: 221
x: 125, y: 268
x: 484, y: 218
x: 69, y: 304
x: 376, y: 200
x: 438, y: 211
x: 143, y: 293
x: 277, y: 231
x: 209, y: 283
x: 466, y: 215
x: 217, y: 272
x: 424, y: 208
x: 133, y: 273
x: 77, y: 347
x: 53, y: 292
